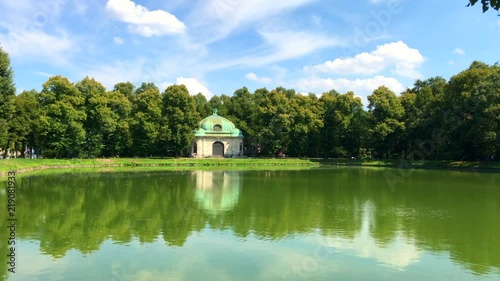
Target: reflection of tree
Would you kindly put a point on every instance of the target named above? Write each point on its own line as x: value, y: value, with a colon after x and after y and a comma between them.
x: 3, y: 234
x: 80, y: 211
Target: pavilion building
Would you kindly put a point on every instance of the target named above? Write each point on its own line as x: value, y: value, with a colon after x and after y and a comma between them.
x: 217, y: 137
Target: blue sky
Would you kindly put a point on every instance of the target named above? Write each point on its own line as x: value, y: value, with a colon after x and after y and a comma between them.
x: 218, y: 46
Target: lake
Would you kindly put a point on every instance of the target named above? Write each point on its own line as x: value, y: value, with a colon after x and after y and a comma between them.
x: 344, y: 223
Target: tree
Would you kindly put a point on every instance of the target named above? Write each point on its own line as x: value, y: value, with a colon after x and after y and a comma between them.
x: 127, y: 89
x: 486, y: 4
x: 471, y: 121
x: 146, y: 122
x: 22, y: 127
x: 99, y: 119
x: 386, y: 134
x: 273, y: 121
x: 144, y: 87
x: 118, y: 139
x: 306, y: 117
x: 7, y: 94
x: 423, y: 117
x: 344, y: 123
x: 242, y: 112
x: 62, y: 117
x: 202, y: 106
x: 180, y: 118
x: 220, y: 102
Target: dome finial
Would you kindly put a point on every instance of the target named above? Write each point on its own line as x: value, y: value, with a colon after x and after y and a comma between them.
x: 215, y: 110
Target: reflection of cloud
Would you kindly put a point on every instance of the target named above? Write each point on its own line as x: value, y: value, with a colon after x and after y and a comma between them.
x: 36, y: 263
x: 217, y: 190
x: 399, y: 253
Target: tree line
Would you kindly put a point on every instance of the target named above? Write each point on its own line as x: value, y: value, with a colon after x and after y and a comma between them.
x: 435, y: 119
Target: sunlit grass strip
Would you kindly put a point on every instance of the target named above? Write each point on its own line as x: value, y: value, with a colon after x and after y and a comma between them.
x: 36, y: 164
x: 25, y: 165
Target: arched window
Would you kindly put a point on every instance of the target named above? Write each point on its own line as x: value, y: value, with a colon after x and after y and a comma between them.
x: 217, y: 128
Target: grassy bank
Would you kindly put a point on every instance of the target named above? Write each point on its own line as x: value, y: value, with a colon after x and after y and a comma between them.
x: 25, y: 165
x: 424, y: 164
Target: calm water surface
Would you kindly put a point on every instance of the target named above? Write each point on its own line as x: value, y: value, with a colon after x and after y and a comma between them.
x: 318, y: 224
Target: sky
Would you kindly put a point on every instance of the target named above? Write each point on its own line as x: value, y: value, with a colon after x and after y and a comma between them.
x: 217, y: 46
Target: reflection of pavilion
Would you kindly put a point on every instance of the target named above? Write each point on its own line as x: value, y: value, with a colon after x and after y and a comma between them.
x: 217, y: 191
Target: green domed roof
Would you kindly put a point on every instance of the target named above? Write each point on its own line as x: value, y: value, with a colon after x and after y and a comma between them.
x: 217, y: 125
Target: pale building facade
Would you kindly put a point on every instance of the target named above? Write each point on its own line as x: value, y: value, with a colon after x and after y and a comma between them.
x: 217, y: 137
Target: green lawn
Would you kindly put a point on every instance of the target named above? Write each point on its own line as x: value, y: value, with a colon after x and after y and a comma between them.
x: 35, y: 164
x: 23, y: 165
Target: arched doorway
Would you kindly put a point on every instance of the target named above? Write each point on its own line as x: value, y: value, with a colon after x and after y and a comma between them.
x: 218, y: 149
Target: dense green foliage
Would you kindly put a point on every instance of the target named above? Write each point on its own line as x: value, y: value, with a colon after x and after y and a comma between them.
x: 436, y: 119
x: 7, y: 93
x: 486, y: 4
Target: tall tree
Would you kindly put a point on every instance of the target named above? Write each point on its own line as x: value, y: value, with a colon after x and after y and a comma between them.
x: 306, y: 117
x: 118, y: 139
x: 218, y: 102
x: 345, y: 126
x: 386, y: 134
x: 146, y: 122
x: 62, y: 118
x: 23, y: 125
x: 144, y: 87
x: 423, y: 117
x: 180, y: 117
x: 203, y: 107
x: 471, y: 99
x: 99, y: 119
x: 127, y: 89
x: 7, y: 94
x: 242, y: 112
x: 273, y: 121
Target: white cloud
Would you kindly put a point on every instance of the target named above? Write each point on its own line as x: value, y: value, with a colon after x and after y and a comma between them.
x: 451, y: 62
x: 397, y: 56
x: 316, y: 20
x: 80, y: 8
x: 291, y: 44
x: 384, y: 1
x: 144, y: 22
x: 53, y: 48
x: 361, y: 87
x: 459, y: 52
x: 44, y: 74
x: 221, y: 17
x: 280, y: 46
x: 118, y: 40
x: 194, y: 86
x: 133, y: 71
x: 253, y: 77
x: 30, y: 31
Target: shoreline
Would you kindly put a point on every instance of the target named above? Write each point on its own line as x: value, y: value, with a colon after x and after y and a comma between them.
x: 30, y: 165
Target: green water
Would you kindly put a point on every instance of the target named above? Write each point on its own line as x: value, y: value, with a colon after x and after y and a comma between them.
x: 317, y: 224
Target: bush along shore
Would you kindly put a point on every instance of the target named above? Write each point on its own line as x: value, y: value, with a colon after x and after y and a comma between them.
x: 27, y: 165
